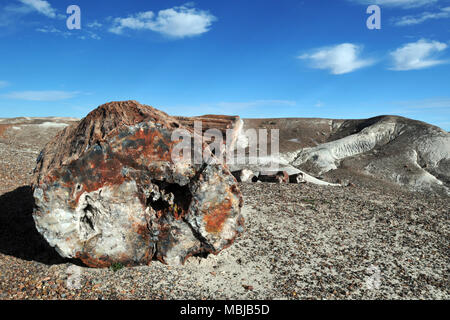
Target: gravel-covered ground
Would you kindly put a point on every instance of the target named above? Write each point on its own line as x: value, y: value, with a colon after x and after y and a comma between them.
x: 300, y: 242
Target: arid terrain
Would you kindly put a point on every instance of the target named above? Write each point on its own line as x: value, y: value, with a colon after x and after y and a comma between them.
x: 373, y: 238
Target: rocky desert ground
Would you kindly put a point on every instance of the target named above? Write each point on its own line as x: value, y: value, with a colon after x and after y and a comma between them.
x: 372, y: 238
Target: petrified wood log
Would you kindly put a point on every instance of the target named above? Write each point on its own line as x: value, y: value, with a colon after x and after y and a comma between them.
x: 244, y: 175
x: 274, y: 176
x: 107, y: 191
x: 297, y: 178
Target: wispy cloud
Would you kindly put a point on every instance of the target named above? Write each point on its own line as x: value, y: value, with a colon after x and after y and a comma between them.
x: 176, y: 22
x: 82, y: 34
x: 443, y: 13
x: 51, y: 29
x: 12, y: 14
x: 4, y: 84
x: 339, y: 59
x: 94, y: 24
x: 406, y: 4
x: 43, y: 7
x: 92, y: 35
x: 417, y: 55
x: 41, y: 95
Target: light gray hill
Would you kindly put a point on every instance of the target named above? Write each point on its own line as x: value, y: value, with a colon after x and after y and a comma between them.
x: 393, y: 149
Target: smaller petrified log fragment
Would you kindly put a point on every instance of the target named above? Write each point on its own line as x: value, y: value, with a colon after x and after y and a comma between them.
x: 274, y: 177
x: 297, y: 178
x: 244, y: 175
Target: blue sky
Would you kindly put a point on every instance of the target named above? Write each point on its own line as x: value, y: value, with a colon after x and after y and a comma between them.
x: 283, y: 58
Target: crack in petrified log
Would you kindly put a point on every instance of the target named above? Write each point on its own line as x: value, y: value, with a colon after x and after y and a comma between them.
x: 107, y: 190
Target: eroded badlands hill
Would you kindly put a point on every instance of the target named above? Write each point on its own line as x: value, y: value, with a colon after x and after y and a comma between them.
x: 386, y: 149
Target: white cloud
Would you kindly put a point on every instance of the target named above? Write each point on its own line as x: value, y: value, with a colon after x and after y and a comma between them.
x: 3, y: 84
x: 339, y: 59
x: 94, y: 25
x: 417, y: 55
x: 405, y: 4
x: 41, y: 6
x: 86, y: 34
x: 49, y: 29
x: 55, y: 31
x: 443, y: 13
x: 12, y: 14
x: 94, y: 36
x: 41, y: 95
x: 176, y: 22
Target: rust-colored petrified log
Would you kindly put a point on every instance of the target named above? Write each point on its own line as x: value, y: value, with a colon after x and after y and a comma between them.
x: 107, y: 190
x: 274, y: 176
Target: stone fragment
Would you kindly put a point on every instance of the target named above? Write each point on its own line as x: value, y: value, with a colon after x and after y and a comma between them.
x: 297, y: 178
x: 244, y: 175
x: 274, y: 176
